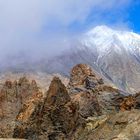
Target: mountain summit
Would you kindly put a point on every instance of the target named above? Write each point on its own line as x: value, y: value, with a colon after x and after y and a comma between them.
x: 105, y: 37
x: 112, y: 53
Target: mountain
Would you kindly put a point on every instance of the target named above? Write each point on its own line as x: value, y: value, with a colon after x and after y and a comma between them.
x: 86, y: 109
x: 42, y: 78
x: 12, y: 97
x: 112, y: 53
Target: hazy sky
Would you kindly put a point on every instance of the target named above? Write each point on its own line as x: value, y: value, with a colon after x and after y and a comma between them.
x: 38, y: 26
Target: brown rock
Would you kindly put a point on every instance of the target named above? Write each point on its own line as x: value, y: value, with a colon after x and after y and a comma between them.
x: 88, y: 104
x: 8, y: 84
x: 128, y: 103
x: 87, y: 110
x: 94, y: 97
x: 12, y: 96
x: 54, y: 118
x: 57, y: 94
x: 79, y: 74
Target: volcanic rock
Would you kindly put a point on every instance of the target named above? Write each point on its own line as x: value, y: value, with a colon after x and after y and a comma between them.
x: 94, y: 97
x: 12, y: 97
x: 86, y: 109
x: 54, y: 118
x: 83, y: 75
x: 119, y: 126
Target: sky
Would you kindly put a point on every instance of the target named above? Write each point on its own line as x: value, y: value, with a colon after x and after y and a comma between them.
x: 134, y: 17
x: 40, y: 26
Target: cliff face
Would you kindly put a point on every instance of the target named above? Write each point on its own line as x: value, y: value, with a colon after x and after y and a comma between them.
x: 93, y: 95
x: 55, y: 117
x: 12, y: 97
x: 109, y: 113
x: 81, y: 85
x: 86, y: 109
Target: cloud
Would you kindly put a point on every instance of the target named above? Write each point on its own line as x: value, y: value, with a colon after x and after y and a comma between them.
x: 67, y: 12
x: 29, y: 25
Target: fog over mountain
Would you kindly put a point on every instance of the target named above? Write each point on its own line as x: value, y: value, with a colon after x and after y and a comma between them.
x: 52, y: 37
x: 115, y: 54
x: 38, y: 28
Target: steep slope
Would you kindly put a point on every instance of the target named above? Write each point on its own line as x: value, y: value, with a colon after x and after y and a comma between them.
x: 114, y: 54
x: 118, y: 55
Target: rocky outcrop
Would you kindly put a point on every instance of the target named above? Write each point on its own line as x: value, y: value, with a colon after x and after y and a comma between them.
x: 12, y: 97
x: 86, y: 109
x: 116, y: 108
x: 56, y: 117
x: 65, y: 113
x: 82, y: 81
x: 83, y: 75
x: 94, y: 97
x: 119, y: 126
x: 88, y: 103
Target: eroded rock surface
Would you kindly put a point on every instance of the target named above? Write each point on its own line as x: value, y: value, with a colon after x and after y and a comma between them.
x: 87, y: 109
x: 12, y: 97
x: 95, y: 98
x: 119, y: 126
x: 54, y: 118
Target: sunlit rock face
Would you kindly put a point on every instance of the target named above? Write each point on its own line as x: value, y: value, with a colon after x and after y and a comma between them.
x: 55, y: 117
x: 93, y: 95
x: 12, y: 97
x: 106, y: 110
x: 82, y: 81
x: 83, y: 75
x: 119, y: 126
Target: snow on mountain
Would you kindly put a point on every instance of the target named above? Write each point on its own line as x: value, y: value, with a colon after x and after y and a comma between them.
x: 106, y: 37
x: 112, y: 53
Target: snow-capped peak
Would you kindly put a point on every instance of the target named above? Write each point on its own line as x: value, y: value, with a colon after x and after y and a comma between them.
x: 104, y: 38
x: 100, y: 29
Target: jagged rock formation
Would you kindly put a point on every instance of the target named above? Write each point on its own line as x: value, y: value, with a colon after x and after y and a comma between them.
x: 12, y: 96
x: 86, y: 109
x: 95, y: 98
x: 54, y: 118
x: 79, y: 74
x: 82, y: 81
x: 43, y: 79
x: 116, y: 109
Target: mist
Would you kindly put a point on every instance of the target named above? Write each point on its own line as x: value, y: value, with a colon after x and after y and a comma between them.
x: 36, y: 29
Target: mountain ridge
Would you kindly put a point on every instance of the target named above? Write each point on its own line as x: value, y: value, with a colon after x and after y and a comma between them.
x: 113, y: 54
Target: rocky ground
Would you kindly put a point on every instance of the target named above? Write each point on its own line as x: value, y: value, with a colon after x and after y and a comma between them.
x: 84, y: 109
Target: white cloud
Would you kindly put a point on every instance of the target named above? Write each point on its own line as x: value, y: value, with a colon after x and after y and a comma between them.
x: 24, y: 23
